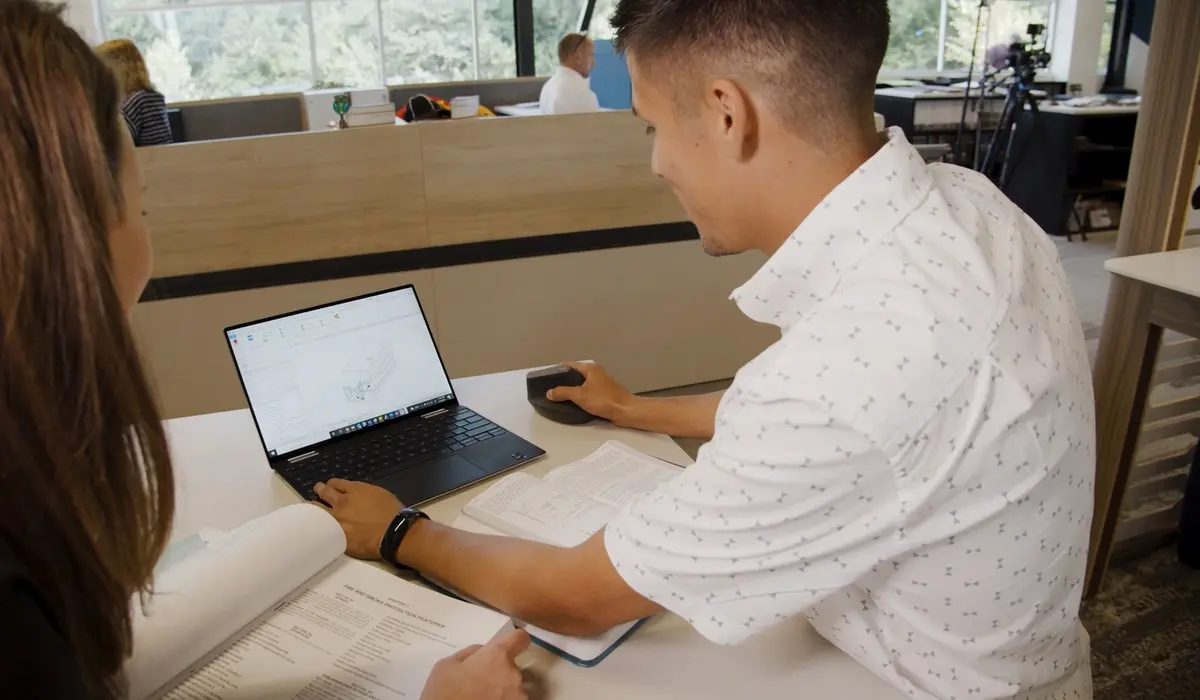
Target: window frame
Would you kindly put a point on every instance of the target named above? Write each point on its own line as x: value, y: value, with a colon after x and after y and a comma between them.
x: 1118, y: 49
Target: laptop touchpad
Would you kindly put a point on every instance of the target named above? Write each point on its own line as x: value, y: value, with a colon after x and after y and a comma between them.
x: 432, y: 479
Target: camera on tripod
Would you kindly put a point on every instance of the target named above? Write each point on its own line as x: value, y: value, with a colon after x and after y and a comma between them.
x: 1025, y: 58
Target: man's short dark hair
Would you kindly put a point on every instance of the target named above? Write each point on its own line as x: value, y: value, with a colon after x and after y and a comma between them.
x: 812, y: 56
x: 569, y: 44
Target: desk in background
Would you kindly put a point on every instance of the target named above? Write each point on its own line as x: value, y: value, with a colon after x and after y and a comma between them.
x: 525, y: 109
x: 1069, y: 155
x: 224, y: 480
x: 1156, y: 443
x: 1096, y: 111
x: 931, y: 116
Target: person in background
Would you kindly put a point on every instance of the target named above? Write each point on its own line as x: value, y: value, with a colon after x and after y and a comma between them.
x: 567, y: 91
x: 86, y: 486
x: 144, y: 108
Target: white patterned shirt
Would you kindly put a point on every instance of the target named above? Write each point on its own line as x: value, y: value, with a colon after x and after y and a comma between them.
x: 911, y: 465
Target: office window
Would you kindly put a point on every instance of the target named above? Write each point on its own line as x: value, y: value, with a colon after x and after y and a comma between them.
x: 916, y: 35
x: 552, y: 19
x: 496, y: 38
x: 1106, y: 34
x: 428, y: 40
x: 602, y: 19
x: 196, y: 52
x: 927, y: 35
x: 347, y: 50
x: 206, y: 49
x: 1008, y: 23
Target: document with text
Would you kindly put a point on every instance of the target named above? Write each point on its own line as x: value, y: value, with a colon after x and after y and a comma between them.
x: 273, y: 610
x: 568, y: 506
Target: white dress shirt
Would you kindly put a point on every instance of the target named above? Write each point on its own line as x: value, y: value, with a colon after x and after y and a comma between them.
x: 567, y: 92
x: 911, y: 465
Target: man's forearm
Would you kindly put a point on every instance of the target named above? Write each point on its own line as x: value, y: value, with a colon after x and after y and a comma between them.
x: 570, y: 591
x: 683, y: 416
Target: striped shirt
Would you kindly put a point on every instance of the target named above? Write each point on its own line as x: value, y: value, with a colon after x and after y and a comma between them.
x: 145, y: 113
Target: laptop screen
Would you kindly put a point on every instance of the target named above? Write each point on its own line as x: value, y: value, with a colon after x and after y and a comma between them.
x: 319, y: 374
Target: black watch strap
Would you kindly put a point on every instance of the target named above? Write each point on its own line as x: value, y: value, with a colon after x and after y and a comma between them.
x: 395, y: 535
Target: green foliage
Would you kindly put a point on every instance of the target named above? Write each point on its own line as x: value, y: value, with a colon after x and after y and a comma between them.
x: 914, y: 36
x: 1007, y: 23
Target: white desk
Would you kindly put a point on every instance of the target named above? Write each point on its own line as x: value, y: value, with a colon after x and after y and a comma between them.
x: 526, y: 109
x: 1167, y: 289
x: 1177, y: 270
x: 224, y: 480
x: 1101, y: 110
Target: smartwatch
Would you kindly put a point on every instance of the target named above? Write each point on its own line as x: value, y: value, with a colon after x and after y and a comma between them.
x: 395, y: 535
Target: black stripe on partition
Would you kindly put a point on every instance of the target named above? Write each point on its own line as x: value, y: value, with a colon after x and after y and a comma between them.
x: 407, y: 260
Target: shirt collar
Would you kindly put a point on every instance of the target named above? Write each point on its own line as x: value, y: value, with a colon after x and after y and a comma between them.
x: 868, y: 204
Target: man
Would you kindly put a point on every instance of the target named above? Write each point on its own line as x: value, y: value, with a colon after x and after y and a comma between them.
x: 910, y: 466
x: 568, y: 91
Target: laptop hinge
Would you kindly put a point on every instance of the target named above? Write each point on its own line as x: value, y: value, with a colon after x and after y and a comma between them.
x: 438, y: 412
x: 301, y: 458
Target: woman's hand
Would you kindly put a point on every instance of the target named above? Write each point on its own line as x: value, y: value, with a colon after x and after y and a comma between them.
x: 481, y: 673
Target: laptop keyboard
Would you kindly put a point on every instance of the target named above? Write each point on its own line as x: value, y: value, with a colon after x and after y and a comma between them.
x: 389, y: 450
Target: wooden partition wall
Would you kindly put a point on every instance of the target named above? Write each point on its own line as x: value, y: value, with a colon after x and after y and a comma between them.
x: 273, y: 200
x: 1161, y: 172
x: 530, y: 241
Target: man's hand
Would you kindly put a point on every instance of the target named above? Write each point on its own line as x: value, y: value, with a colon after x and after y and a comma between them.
x: 364, y: 512
x: 480, y: 673
x: 600, y: 394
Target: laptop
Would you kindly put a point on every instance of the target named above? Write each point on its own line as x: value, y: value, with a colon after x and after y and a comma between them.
x: 357, y: 390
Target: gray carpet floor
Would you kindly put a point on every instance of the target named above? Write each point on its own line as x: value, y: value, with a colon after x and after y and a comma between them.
x: 1145, y: 630
x: 1145, y: 626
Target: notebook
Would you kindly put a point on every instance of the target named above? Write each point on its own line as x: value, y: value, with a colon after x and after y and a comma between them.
x: 565, y: 508
x: 273, y: 609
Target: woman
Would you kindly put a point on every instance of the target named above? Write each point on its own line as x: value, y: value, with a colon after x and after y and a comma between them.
x: 86, y: 490
x: 144, y: 109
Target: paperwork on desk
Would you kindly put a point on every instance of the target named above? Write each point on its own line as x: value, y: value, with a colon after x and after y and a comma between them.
x: 568, y: 506
x: 273, y: 609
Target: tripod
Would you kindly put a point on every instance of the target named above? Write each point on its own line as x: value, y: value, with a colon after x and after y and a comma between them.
x: 1019, y: 95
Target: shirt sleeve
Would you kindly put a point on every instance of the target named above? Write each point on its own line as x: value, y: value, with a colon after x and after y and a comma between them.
x: 784, y: 507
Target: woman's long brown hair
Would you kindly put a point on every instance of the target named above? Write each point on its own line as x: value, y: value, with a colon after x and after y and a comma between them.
x: 86, y: 492
x: 126, y: 62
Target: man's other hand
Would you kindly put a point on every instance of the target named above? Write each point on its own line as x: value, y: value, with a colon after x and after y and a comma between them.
x: 600, y: 394
x: 481, y: 673
x: 364, y: 511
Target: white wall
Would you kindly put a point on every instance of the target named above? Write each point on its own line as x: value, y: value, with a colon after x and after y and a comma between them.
x: 1135, y: 63
x: 1078, y: 25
